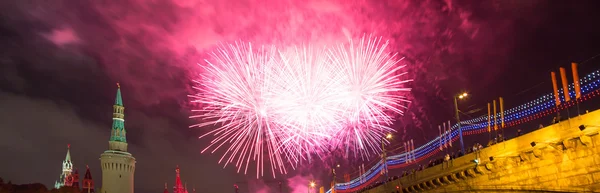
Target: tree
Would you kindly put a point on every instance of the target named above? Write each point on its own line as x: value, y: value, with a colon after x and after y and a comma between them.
x: 22, y: 188
x: 30, y: 188
x: 67, y: 189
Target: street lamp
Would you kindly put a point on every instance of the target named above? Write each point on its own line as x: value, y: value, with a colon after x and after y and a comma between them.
x: 312, y: 185
x: 384, y: 155
x: 456, y: 97
x: 333, y: 173
x: 388, y: 136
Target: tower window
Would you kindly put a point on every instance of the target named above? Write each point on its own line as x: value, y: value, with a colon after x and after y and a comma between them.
x: 119, y: 175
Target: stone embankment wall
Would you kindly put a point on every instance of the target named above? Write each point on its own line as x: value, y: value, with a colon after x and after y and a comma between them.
x: 564, y: 158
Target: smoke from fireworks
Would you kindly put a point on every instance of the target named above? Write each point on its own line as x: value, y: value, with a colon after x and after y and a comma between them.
x: 288, y: 104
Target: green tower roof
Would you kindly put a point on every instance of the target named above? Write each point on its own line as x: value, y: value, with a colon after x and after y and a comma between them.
x: 118, y: 100
x: 68, y: 157
x: 118, y: 132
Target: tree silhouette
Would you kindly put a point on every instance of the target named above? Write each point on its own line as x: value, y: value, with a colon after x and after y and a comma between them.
x: 29, y: 188
x: 67, y: 189
x: 32, y: 188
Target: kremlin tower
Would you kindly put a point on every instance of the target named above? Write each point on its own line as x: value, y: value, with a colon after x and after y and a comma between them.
x: 70, y: 175
x: 118, y: 165
x: 75, y: 177
x: 178, y: 187
x: 65, y: 178
x: 88, y: 183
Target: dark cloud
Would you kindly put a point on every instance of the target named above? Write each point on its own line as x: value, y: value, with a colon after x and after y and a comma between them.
x: 60, y: 59
x: 36, y: 132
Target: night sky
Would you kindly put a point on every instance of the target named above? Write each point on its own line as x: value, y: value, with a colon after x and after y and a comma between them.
x: 60, y: 61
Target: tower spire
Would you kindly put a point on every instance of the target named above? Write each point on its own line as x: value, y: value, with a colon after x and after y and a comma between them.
x: 65, y: 178
x: 68, y: 157
x: 118, y: 99
x: 88, y: 183
x: 166, y: 190
x: 118, y: 165
x: 75, y: 177
x: 67, y: 168
x: 118, y: 134
x: 178, y: 188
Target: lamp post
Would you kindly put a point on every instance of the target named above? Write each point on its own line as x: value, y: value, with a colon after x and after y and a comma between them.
x: 460, y: 134
x: 384, y: 155
x: 334, y: 180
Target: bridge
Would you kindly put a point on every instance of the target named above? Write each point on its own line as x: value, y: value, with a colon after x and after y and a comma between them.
x: 563, y: 157
x: 558, y: 158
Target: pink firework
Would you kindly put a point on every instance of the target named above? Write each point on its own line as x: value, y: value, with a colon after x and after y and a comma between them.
x: 289, y: 104
x: 373, y: 93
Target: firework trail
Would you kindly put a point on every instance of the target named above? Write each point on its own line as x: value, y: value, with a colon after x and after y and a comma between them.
x: 289, y: 104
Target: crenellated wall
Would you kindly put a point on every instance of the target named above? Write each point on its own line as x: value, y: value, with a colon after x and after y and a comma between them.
x: 564, y: 159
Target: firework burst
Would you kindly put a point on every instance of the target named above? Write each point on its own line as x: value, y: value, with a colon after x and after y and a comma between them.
x: 288, y: 104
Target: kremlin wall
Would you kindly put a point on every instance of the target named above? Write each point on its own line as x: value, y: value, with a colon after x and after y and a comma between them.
x: 563, y: 157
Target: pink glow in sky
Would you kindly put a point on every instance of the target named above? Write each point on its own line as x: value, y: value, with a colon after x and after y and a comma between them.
x: 300, y: 184
x: 62, y: 36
